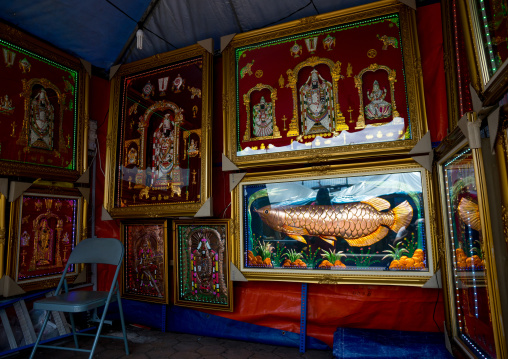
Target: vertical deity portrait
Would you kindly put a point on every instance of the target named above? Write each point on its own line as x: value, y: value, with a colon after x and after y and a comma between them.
x: 147, y: 273
x: 42, y: 119
x: 262, y: 116
x: 316, y: 102
x: 163, y: 152
x: 377, y: 108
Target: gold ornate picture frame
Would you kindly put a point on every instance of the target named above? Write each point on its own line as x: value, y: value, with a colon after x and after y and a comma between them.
x: 158, y: 156
x: 43, y: 109
x: 201, y: 257
x: 336, y: 224
x: 45, y: 225
x: 337, y: 85
x: 145, y: 266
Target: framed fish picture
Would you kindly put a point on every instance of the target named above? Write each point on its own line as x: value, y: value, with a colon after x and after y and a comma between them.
x: 343, y: 84
x: 145, y: 265
x: 43, y: 109
x: 201, y: 259
x: 45, y: 226
x: 336, y: 224
x: 158, y: 163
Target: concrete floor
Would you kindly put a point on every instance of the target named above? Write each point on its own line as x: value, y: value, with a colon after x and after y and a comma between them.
x: 154, y: 344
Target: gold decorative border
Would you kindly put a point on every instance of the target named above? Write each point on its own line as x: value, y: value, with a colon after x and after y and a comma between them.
x: 344, y: 170
x: 413, y: 74
x: 159, y: 210
x: 204, y: 222
x: 14, y: 237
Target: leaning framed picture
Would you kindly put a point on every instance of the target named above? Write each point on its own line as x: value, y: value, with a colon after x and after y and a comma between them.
x: 366, y: 223
x: 158, y: 160
x: 43, y: 109
x: 342, y: 84
x: 145, y: 266
x: 201, y: 257
x: 484, y: 24
x: 45, y: 226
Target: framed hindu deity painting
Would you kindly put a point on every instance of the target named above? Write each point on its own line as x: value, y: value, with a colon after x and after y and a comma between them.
x: 201, y: 258
x: 42, y: 109
x: 485, y: 24
x: 45, y: 226
x: 145, y: 266
x: 472, y: 285
x: 158, y: 163
x: 331, y: 86
x: 336, y: 224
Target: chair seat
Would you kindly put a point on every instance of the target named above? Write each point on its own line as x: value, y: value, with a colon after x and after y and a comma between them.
x: 73, y: 302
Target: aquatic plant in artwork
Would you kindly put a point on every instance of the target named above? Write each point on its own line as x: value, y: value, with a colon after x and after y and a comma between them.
x: 366, y: 222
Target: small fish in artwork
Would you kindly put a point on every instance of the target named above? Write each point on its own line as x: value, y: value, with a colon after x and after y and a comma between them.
x: 359, y: 223
x: 404, y: 232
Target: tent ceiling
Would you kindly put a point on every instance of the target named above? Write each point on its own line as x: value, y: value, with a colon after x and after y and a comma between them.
x: 102, y: 32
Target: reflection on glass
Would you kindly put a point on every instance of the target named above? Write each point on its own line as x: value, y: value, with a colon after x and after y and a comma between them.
x: 372, y: 222
x: 492, y: 22
x: 471, y: 297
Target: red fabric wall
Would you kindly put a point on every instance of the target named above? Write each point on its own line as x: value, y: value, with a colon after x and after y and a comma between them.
x: 276, y: 304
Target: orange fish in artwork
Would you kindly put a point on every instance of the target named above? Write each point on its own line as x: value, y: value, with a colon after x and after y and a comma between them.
x: 469, y: 213
x: 359, y: 223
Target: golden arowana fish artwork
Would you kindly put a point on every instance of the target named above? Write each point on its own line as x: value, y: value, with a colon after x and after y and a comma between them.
x: 359, y: 223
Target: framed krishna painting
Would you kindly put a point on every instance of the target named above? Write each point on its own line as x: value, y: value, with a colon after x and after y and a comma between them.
x: 42, y: 109
x: 336, y: 224
x: 158, y: 163
x: 45, y: 226
x: 325, y: 87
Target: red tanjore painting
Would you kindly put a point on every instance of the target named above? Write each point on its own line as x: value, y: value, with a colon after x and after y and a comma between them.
x: 145, y: 266
x: 39, y: 111
x: 325, y: 86
x: 45, y: 229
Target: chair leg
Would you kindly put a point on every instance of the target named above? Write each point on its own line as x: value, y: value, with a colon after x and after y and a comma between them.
x: 39, y: 337
x: 122, y: 320
x: 99, y: 329
x: 71, y: 316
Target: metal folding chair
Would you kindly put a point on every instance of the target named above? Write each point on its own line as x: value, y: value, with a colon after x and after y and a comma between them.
x: 90, y: 250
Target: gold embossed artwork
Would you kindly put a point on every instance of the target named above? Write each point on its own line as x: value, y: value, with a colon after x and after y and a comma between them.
x: 328, y: 69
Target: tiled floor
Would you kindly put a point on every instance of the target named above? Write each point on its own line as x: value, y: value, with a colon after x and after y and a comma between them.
x: 154, y: 344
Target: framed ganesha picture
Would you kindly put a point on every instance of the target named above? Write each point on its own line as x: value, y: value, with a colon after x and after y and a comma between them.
x: 42, y: 109
x: 158, y: 163
x: 336, y: 85
x: 45, y: 226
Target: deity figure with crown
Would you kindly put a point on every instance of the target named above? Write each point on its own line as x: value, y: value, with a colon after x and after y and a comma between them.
x: 378, y: 108
x: 262, y: 114
x: 316, y: 102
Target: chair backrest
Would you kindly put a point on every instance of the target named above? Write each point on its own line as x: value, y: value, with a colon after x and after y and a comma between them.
x: 98, y: 250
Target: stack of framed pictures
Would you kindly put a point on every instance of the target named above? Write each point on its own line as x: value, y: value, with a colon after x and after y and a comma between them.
x: 43, y: 111
x: 342, y: 91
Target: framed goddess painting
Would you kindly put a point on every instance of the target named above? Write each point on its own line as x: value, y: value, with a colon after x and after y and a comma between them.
x: 158, y: 163
x: 42, y: 109
x: 202, y: 278
x: 45, y: 226
x: 333, y: 85
x: 145, y: 266
x: 336, y: 224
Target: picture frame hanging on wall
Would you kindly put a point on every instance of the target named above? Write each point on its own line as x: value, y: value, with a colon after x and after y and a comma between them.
x: 201, y: 258
x: 336, y: 224
x: 158, y: 163
x: 43, y: 109
x: 45, y: 226
x: 145, y: 265
x: 331, y: 86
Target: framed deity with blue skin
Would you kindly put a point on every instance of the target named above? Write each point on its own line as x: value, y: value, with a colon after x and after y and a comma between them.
x: 336, y: 224
x: 159, y: 161
x: 201, y: 256
x: 332, y: 86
